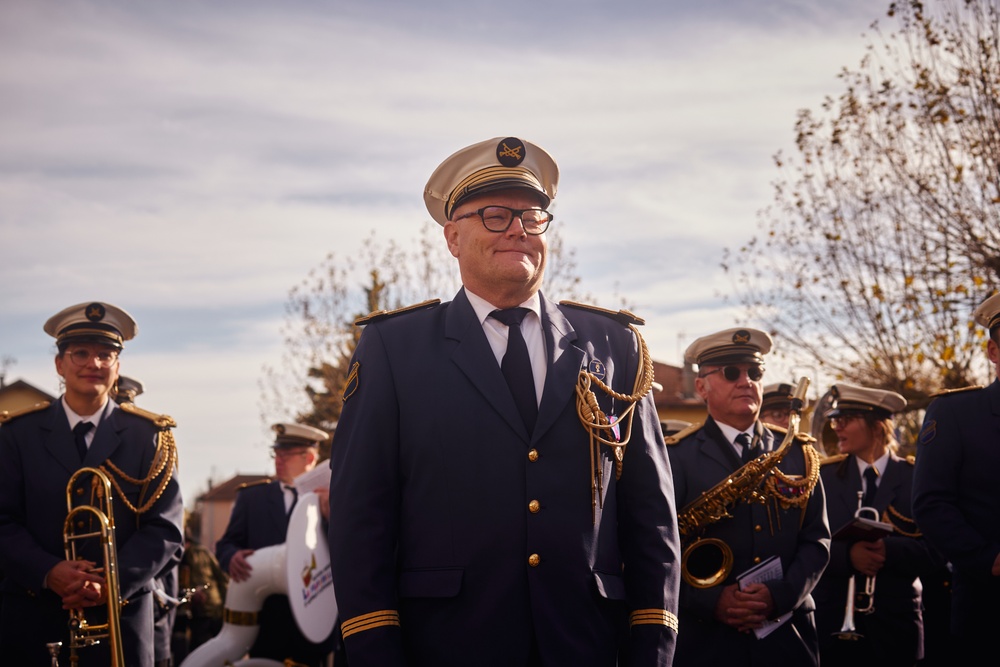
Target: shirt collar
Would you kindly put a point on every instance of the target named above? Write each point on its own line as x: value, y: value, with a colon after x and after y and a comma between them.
x: 75, y: 419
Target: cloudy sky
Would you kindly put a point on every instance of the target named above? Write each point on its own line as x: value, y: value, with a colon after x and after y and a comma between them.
x: 192, y: 161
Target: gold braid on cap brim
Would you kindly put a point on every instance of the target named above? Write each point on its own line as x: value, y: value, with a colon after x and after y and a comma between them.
x: 161, y: 468
x: 599, y: 426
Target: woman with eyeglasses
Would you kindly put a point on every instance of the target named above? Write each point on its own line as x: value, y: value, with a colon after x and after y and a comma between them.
x: 886, y: 609
x: 40, y: 449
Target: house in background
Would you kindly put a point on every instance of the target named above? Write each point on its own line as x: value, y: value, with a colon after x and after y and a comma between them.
x: 19, y: 395
x: 214, y: 507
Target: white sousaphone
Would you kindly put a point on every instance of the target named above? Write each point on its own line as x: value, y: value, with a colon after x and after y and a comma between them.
x: 300, y: 569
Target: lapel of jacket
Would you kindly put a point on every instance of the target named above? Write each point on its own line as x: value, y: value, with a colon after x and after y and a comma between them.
x: 107, y: 437
x: 715, y: 446
x: 847, y: 473
x: 58, y: 438
x: 890, y: 482
x: 564, y: 360
x: 474, y: 357
x: 276, y: 506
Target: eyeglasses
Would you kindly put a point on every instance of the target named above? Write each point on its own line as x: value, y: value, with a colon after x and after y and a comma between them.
x: 499, y: 219
x: 286, y: 453
x: 732, y: 373
x: 843, y: 419
x: 81, y: 356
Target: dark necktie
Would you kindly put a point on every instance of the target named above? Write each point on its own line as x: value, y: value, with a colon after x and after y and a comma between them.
x: 516, y: 365
x: 80, y: 432
x: 871, y: 486
x: 295, y: 499
x: 748, y: 453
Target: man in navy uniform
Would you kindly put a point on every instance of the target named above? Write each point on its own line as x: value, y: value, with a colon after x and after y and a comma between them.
x: 869, y: 472
x: 260, y: 519
x: 39, y: 452
x: 957, y: 497
x: 720, y: 620
x: 498, y: 468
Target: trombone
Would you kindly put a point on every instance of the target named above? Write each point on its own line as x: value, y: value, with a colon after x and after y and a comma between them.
x: 82, y: 633
x: 862, y: 602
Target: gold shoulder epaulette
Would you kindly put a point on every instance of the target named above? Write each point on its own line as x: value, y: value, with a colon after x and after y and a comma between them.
x: 6, y: 416
x: 383, y: 314
x: 161, y: 421
x: 623, y: 316
x: 247, y: 485
x: 680, y: 435
x: 958, y: 390
x: 836, y: 458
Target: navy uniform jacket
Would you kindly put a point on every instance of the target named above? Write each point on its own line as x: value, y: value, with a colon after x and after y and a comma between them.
x: 701, y: 460
x: 259, y: 520
x: 37, y: 458
x: 482, y: 537
x: 894, y: 630
x: 957, y: 501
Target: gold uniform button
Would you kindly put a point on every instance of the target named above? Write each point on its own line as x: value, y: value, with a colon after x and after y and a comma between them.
x: 534, y: 506
x: 758, y: 528
x: 532, y: 455
x: 534, y: 560
x: 756, y: 559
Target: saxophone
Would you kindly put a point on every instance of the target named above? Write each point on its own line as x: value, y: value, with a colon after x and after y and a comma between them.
x: 706, y: 562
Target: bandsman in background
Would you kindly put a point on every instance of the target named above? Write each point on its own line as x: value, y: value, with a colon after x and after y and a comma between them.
x: 777, y: 404
x: 888, y: 626
x: 165, y: 583
x: 498, y: 469
x: 39, y: 452
x: 260, y: 519
x: 957, y: 497
x: 766, y: 489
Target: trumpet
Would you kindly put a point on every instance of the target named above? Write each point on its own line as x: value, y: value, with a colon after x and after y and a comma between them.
x: 82, y: 633
x: 862, y: 602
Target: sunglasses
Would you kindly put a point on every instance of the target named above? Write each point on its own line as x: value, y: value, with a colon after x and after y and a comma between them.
x: 732, y: 373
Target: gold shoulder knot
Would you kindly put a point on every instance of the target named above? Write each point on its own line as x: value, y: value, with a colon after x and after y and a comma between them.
x: 623, y: 316
x: 247, y: 485
x: 836, y: 458
x: 6, y: 416
x: 376, y: 315
x: 680, y: 435
x: 160, y: 421
x: 957, y: 390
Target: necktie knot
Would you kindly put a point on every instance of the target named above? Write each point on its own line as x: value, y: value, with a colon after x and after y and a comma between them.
x: 510, y: 316
x: 295, y: 497
x: 748, y: 453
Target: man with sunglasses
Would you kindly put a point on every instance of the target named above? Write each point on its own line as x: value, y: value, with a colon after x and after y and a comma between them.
x: 260, y: 519
x: 40, y: 449
x: 723, y: 622
x: 487, y: 523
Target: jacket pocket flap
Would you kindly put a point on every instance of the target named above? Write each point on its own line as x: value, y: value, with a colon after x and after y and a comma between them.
x: 610, y: 586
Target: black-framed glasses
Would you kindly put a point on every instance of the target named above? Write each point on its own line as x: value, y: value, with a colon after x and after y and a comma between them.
x: 81, y: 356
x: 499, y: 218
x: 843, y: 419
x: 732, y: 373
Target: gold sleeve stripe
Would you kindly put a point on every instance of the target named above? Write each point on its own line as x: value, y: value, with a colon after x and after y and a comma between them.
x: 653, y: 617
x: 239, y: 617
x: 375, y: 619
